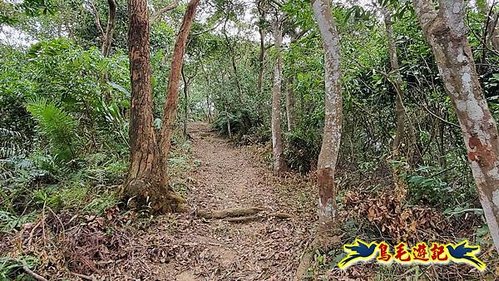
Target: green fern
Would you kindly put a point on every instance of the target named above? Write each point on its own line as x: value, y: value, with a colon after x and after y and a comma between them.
x: 57, y: 126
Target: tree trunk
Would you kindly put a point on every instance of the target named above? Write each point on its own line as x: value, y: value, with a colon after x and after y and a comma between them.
x: 147, y: 182
x: 333, y: 111
x: 186, y: 103
x: 276, y: 102
x: 170, y: 107
x: 141, y: 184
x: 397, y: 83
x: 491, y: 25
x: 290, y: 104
x: 261, y: 56
x: 108, y: 35
x: 445, y: 31
x: 232, y: 55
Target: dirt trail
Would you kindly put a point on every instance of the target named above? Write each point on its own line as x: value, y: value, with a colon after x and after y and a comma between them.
x: 268, y: 248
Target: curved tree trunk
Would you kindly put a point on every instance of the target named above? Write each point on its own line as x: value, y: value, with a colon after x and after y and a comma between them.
x: 279, y: 165
x: 333, y: 111
x: 445, y: 31
x: 325, y: 237
x: 170, y: 107
x: 108, y: 35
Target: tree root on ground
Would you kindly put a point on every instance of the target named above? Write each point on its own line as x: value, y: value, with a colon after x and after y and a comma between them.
x: 243, y: 219
x: 236, y: 212
x: 240, y: 214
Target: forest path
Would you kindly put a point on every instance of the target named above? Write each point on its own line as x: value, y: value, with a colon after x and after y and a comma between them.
x: 266, y: 248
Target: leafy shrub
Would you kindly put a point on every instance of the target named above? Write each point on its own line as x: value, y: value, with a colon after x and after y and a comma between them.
x: 241, y: 122
x: 302, y: 150
x: 428, y: 185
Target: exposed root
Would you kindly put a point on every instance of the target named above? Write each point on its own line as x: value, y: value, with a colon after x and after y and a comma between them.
x: 243, y: 219
x: 229, y: 213
x: 83, y: 276
x: 144, y: 194
x: 280, y: 215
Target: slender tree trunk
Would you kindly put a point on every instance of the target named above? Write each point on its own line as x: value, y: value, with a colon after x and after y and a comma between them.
x: 276, y: 102
x: 491, y: 25
x: 261, y: 55
x: 333, y: 110
x: 108, y: 35
x: 396, y: 80
x: 445, y: 31
x: 233, y: 62
x: 290, y: 104
x: 186, y: 103
x: 170, y: 107
x: 261, y: 58
x: 397, y: 83
x: 331, y: 136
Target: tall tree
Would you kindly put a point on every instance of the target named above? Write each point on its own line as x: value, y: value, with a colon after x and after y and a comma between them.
x: 333, y: 110
x: 396, y: 81
x: 446, y: 33
x: 147, y: 181
x: 261, y: 31
x: 279, y: 164
x: 170, y: 107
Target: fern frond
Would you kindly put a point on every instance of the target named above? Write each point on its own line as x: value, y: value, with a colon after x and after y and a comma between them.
x: 56, y: 125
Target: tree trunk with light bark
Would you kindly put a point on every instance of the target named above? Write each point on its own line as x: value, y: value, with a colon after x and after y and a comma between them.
x: 279, y: 165
x: 333, y: 110
x: 446, y: 32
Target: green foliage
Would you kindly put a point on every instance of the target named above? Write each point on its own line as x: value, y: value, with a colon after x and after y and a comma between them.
x: 57, y: 126
x: 241, y: 122
x: 11, y: 269
x: 427, y: 186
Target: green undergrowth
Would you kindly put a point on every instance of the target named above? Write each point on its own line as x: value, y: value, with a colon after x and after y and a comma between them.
x: 87, y: 186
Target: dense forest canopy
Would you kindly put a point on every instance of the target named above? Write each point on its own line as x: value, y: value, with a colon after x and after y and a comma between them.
x: 386, y: 108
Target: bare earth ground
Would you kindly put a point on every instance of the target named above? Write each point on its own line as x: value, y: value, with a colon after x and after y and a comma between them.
x: 266, y: 248
x: 121, y: 245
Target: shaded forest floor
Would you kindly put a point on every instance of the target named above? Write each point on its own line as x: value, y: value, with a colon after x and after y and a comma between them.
x: 265, y: 244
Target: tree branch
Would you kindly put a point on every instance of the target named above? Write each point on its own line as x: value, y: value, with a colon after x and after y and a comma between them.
x: 163, y: 10
x: 97, y: 18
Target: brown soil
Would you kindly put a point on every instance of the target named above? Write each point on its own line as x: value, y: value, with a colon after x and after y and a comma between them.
x: 265, y: 247
x: 243, y: 224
